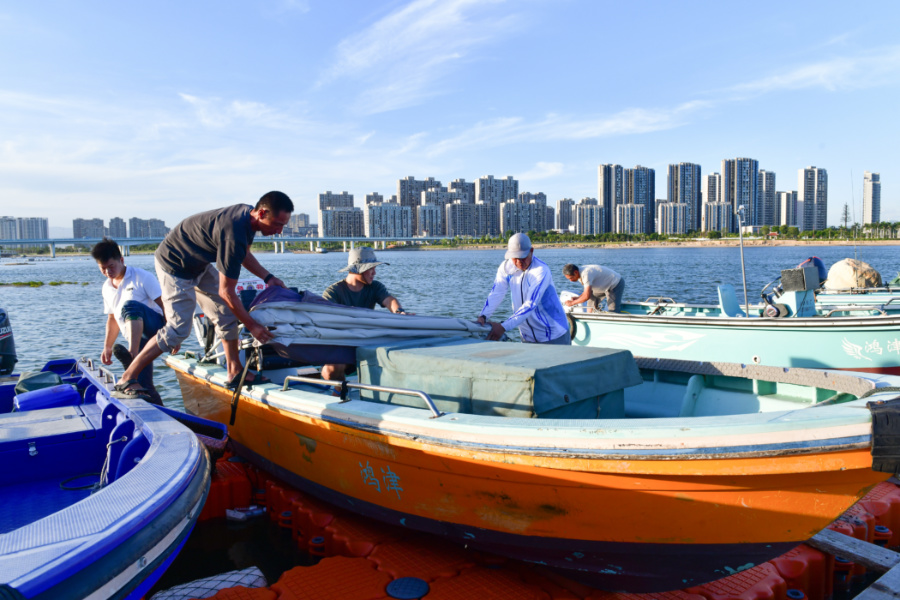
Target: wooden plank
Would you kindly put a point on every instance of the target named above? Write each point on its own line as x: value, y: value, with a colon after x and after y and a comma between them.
x: 886, y: 588
x: 858, y: 551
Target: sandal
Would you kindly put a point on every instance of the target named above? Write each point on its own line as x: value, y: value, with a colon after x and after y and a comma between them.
x: 258, y: 379
x: 123, y: 355
x: 128, y: 388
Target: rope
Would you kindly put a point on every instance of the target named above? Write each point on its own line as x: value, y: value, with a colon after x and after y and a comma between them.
x: 63, y: 486
x: 104, y: 472
x: 879, y: 390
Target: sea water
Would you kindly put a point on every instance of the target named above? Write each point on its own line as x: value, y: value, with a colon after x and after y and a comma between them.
x: 67, y: 320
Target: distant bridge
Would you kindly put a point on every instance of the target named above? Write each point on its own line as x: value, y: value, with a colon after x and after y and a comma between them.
x: 278, y: 241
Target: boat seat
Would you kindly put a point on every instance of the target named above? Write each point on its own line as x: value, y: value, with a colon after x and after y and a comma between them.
x: 728, y: 302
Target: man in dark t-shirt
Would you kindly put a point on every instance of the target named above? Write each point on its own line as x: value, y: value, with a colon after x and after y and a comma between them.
x: 359, y: 289
x: 184, y: 267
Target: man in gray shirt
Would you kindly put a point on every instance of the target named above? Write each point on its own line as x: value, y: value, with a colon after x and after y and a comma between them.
x: 358, y: 289
x: 599, y: 282
x: 184, y: 266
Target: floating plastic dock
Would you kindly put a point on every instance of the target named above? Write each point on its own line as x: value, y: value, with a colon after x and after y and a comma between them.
x: 367, y: 560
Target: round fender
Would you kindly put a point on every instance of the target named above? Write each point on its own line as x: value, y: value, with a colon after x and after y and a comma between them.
x: 573, y: 325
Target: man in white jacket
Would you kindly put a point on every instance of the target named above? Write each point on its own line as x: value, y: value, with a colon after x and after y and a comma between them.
x: 537, y: 311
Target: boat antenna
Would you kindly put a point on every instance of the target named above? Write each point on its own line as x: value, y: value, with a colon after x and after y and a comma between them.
x: 740, y: 212
x: 853, y: 201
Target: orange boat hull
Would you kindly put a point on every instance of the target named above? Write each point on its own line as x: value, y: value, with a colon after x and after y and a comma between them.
x: 636, y: 525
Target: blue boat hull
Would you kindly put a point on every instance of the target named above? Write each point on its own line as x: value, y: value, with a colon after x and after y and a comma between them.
x: 62, y: 536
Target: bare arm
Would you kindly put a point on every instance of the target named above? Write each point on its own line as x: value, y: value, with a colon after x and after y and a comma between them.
x: 112, y: 332
x: 251, y: 264
x: 231, y: 298
x: 393, y: 305
x: 584, y: 297
x: 161, y: 307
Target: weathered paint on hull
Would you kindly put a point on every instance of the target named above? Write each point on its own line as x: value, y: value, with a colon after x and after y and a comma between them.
x: 640, y: 525
x: 873, y: 348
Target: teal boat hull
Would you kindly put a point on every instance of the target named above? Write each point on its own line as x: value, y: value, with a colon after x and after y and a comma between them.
x: 870, y: 344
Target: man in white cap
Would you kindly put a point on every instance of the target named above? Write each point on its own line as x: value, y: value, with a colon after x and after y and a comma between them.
x: 537, y: 311
x: 358, y: 289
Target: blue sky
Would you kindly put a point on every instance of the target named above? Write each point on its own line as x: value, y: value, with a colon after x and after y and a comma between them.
x: 164, y: 109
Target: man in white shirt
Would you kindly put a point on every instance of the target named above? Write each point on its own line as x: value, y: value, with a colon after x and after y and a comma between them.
x: 537, y: 311
x: 599, y: 283
x: 132, y: 300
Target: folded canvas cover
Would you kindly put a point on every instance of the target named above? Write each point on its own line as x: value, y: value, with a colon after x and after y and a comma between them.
x: 304, y: 318
x: 502, y: 378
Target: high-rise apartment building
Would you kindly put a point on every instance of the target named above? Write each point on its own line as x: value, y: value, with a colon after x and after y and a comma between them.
x: 146, y: 228
x: 157, y: 228
x: 740, y: 177
x: 492, y: 192
x: 468, y: 220
x: 672, y: 218
x: 117, y: 228
x: 564, y: 218
x: 640, y: 188
x: 409, y: 193
x: 32, y: 228
x: 684, y: 187
x: 430, y: 220
x: 712, y: 188
x: 717, y: 216
x: 610, y: 192
x: 298, y: 225
x: 332, y: 200
x: 439, y: 197
x: 465, y: 189
x: 522, y: 216
x: 388, y: 220
x: 787, y: 208
x: 343, y: 222
x: 460, y: 219
x: 812, y: 199
x: 549, y: 218
x: 589, y: 218
x: 765, y: 189
x: 8, y: 229
x: 871, y: 198
x: 374, y: 198
x: 88, y: 228
x: 631, y: 219
x: 298, y: 220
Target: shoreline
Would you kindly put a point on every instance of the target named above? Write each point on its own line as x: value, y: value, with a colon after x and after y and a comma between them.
x: 722, y: 243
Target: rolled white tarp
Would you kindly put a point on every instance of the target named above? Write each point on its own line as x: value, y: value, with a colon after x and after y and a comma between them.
x: 333, y: 324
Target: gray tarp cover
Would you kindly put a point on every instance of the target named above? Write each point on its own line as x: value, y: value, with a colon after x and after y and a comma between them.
x: 499, y: 378
x: 332, y: 324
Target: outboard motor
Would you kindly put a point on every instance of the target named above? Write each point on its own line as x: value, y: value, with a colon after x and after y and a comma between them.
x: 8, y: 356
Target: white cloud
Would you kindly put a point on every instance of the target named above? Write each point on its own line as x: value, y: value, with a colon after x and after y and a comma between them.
x: 515, y: 130
x: 542, y: 170
x: 403, y: 57
x: 848, y: 72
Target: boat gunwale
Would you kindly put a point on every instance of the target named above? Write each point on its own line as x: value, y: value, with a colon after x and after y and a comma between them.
x: 886, y: 321
x: 835, y: 434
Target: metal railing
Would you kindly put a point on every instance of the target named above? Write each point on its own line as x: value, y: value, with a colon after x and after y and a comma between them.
x: 344, y: 386
x: 853, y: 308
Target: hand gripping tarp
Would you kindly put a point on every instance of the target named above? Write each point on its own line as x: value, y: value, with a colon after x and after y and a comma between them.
x: 306, y: 319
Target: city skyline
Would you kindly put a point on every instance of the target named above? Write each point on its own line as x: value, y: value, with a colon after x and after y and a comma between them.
x: 191, y: 112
